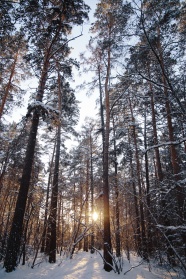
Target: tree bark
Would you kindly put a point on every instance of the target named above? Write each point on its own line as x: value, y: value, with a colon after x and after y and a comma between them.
x: 14, y: 241
x: 92, y: 194
x: 148, y: 197
x: 174, y: 155
x: 85, y: 248
x: 117, y: 216
x: 7, y: 90
x: 141, y: 209
x: 44, y: 241
x: 137, y: 229
x: 107, y: 235
x: 54, y: 198
x: 155, y: 135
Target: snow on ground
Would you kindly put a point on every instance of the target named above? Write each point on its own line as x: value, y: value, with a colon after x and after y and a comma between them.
x: 86, y: 266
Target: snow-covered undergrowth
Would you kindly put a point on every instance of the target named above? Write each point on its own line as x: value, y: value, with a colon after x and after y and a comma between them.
x: 87, y: 266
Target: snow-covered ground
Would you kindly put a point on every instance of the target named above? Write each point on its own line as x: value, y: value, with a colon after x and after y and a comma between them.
x: 87, y: 266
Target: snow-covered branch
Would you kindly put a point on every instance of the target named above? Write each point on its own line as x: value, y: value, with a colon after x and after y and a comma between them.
x: 164, y: 144
x: 43, y: 109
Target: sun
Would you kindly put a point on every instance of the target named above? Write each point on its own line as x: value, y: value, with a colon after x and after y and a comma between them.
x: 95, y: 216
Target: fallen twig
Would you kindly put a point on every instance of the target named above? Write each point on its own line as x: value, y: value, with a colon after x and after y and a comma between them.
x: 132, y: 267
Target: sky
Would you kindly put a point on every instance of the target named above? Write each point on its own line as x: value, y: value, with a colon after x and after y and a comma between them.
x: 88, y: 266
x: 87, y: 103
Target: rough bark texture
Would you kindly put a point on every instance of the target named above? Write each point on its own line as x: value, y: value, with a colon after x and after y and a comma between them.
x: 14, y: 241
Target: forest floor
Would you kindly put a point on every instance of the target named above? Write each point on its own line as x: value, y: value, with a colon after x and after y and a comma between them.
x: 88, y: 266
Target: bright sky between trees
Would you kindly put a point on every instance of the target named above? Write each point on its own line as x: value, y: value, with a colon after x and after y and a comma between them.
x: 87, y: 103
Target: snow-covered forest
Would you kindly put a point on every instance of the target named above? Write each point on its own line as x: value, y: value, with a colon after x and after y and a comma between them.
x: 107, y: 200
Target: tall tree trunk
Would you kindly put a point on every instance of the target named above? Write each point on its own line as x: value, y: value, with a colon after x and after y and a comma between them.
x: 137, y: 229
x: 117, y: 217
x: 85, y: 248
x: 62, y: 225
x: 54, y: 198
x: 107, y: 234
x: 180, y: 193
x: 174, y: 155
x: 58, y: 230
x: 148, y: 198
x: 101, y: 111
x: 141, y: 209
x: 155, y: 134
x: 14, y: 241
x: 92, y: 194
x: 44, y: 235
